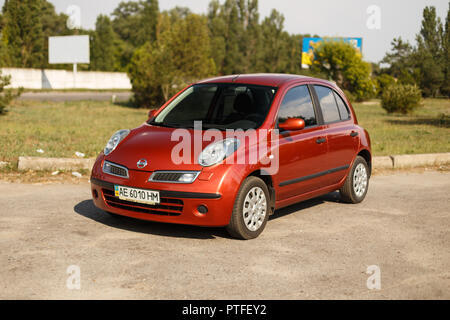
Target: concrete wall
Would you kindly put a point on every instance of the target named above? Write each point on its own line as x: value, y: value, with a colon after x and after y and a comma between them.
x: 62, y: 79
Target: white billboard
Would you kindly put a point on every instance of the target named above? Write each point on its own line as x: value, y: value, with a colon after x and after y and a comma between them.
x: 68, y: 49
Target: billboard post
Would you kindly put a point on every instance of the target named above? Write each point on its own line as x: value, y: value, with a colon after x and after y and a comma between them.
x: 69, y: 49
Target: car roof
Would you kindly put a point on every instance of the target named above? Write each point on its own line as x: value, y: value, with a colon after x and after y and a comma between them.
x: 262, y: 79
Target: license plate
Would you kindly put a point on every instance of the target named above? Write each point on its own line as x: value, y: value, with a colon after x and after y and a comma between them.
x: 137, y: 195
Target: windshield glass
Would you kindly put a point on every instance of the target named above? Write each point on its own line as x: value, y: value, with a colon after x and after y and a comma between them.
x: 218, y: 106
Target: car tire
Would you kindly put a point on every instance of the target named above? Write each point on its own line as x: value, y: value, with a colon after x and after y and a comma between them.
x: 356, y: 185
x: 251, y: 210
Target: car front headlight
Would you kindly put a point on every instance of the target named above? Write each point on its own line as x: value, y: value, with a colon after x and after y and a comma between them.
x: 218, y: 151
x: 115, y: 140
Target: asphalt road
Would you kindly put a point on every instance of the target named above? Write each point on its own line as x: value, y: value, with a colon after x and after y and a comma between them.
x: 319, y: 249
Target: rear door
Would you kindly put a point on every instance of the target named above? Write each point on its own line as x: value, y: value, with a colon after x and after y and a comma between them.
x: 302, y: 152
x: 340, y: 132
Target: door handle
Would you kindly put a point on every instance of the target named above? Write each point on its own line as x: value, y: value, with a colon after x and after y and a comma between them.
x: 321, y: 140
x: 354, y: 134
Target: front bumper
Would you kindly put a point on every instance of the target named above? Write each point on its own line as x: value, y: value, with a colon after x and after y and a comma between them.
x: 179, y: 202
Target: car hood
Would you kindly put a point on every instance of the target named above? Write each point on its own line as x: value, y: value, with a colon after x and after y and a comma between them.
x: 155, y: 145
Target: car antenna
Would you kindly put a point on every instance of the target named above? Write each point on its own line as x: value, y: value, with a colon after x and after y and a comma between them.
x: 235, y: 78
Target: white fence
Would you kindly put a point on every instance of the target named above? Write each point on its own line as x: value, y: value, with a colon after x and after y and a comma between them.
x: 63, y: 79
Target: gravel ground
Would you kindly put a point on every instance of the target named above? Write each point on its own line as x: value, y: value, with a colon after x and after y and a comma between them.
x: 319, y: 249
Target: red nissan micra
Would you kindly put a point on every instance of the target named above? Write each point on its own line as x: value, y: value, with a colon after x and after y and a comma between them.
x: 229, y: 151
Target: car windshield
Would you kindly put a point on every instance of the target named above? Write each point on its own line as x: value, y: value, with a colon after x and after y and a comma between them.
x: 218, y: 106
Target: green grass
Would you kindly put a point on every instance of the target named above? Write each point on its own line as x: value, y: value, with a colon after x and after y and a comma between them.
x: 427, y: 130
x: 61, y: 129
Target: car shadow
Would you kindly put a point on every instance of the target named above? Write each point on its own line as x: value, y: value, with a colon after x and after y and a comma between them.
x: 88, y: 210
x: 330, y: 197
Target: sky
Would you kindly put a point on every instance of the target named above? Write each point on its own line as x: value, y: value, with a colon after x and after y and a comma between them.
x: 376, y: 21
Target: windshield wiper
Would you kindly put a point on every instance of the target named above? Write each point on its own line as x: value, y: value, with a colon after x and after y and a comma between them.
x: 166, y: 125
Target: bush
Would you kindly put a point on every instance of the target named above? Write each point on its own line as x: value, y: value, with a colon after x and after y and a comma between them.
x: 6, y: 95
x: 401, y: 98
x: 349, y: 96
x: 383, y: 81
x: 343, y: 64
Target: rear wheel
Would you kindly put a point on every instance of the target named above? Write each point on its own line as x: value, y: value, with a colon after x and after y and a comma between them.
x: 251, y: 210
x: 356, y: 185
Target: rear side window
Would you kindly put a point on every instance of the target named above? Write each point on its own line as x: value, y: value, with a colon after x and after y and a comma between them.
x: 327, y: 104
x: 297, y: 103
x: 343, y: 110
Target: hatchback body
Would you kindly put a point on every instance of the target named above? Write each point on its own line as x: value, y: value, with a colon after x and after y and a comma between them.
x: 229, y: 151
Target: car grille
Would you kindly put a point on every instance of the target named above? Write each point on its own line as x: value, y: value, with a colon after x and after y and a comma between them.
x: 166, y: 176
x: 167, y: 207
x: 172, y: 176
x: 115, y: 169
x: 118, y: 171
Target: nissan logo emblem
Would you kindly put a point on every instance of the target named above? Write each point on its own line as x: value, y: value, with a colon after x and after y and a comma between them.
x: 142, y: 163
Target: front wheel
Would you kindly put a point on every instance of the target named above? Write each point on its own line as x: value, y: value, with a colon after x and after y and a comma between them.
x: 356, y: 185
x: 251, y: 210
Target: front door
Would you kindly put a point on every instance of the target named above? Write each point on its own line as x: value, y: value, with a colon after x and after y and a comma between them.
x: 301, y: 153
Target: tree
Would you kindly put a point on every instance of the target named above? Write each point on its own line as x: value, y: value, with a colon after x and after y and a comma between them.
x: 126, y: 21
x: 180, y: 55
x: 6, y: 95
x: 135, y: 22
x: 217, y: 27
x: 235, y: 35
x: 4, y: 57
x: 178, y: 13
x: 23, y: 33
x: 430, y: 53
x: 431, y: 32
x: 445, y: 89
x: 431, y: 75
x: 250, y: 37
x: 340, y: 62
x: 227, y: 37
x: 274, y: 38
x: 401, y: 62
x: 294, y: 54
x: 149, y: 20
x: 103, y: 45
x: 280, y: 52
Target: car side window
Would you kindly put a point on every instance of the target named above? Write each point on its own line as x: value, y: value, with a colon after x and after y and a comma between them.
x: 343, y: 110
x: 297, y: 103
x: 328, y: 104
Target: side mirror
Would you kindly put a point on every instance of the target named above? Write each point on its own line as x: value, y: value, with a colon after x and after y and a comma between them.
x: 292, y: 124
x: 152, y: 114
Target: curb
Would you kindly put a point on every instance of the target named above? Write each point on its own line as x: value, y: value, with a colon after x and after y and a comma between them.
x: 382, y: 162
x: 420, y: 160
x: 386, y: 162
x: 37, y: 163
